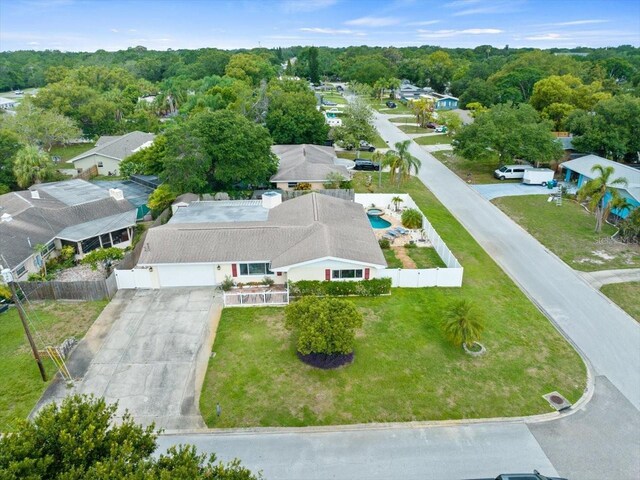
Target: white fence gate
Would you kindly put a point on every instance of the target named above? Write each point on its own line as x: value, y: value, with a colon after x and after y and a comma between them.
x: 134, y: 278
x: 426, y: 277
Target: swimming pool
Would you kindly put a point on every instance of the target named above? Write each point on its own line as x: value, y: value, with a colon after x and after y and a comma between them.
x: 375, y: 212
x: 378, y: 222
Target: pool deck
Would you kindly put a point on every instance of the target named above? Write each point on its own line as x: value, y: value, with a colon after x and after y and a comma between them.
x: 395, y: 220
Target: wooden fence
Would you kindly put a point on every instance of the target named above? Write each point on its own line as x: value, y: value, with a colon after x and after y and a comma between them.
x: 83, y: 290
x: 88, y: 173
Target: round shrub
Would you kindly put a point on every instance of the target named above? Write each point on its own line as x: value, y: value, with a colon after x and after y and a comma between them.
x: 412, y: 218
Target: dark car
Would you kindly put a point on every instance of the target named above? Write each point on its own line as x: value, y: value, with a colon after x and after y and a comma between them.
x: 366, y: 165
x: 432, y: 125
x: 391, y: 104
x: 523, y: 476
x: 329, y: 103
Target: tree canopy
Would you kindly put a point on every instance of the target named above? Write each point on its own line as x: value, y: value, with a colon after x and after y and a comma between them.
x: 80, y: 438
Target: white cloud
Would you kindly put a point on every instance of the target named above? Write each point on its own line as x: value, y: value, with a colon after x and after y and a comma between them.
x: 115, y: 30
x: 578, y: 22
x: 33, y: 43
x: 299, y: 6
x: 329, y: 31
x: 373, y: 21
x: 283, y: 37
x: 476, y: 7
x: 424, y: 23
x: 461, y: 3
x: 546, y: 37
x: 454, y: 33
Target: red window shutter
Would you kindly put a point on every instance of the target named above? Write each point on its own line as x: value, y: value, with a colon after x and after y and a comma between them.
x: 234, y: 270
x: 327, y: 274
x: 366, y: 274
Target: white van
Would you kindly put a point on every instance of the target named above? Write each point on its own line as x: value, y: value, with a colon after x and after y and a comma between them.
x: 509, y: 172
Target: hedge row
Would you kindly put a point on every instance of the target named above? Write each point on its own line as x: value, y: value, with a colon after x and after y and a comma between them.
x: 363, y: 288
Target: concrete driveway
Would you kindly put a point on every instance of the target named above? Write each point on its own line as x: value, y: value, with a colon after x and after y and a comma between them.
x: 148, y: 351
x: 496, y: 190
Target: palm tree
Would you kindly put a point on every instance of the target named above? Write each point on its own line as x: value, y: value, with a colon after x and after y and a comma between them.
x: 32, y: 166
x: 620, y: 204
x: 598, y: 192
x: 462, y: 326
x: 401, y: 162
x: 396, y: 201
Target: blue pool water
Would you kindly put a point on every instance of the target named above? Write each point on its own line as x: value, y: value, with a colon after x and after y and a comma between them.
x: 377, y: 222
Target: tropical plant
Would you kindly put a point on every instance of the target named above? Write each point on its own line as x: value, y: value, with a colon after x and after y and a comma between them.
x: 401, y: 162
x: 104, y: 255
x: 303, y: 186
x: 423, y: 110
x: 323, y: 325
x: 396, y: 201
x: 161, y: 199
x: 462, y: 326
x: 268, y: 282
x: 333, y: 180
x: 412, y: 218
x: 630, y: 227
x: 227, y: 284
x: 599, y: 193
x: 32, y: 166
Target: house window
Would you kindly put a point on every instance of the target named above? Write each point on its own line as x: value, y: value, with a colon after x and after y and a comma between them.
x: 255, y: 269
x: 346, y: 274
x: 48, y: 248
x: 292, y: 184
x: 20, y: 270
x: 100, y: 164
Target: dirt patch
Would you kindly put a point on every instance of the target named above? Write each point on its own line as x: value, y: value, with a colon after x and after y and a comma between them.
x: 80, y: 273
x: 602, y: 254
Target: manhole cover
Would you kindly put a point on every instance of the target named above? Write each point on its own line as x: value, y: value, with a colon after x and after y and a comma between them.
x: 557, y: 401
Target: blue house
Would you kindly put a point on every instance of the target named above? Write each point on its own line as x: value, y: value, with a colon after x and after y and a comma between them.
x: 579, y: 172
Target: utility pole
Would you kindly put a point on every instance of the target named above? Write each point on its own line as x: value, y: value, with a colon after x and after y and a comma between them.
x: 8, y: 278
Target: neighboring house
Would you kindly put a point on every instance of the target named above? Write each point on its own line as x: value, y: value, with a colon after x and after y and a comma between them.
x: 312, y: 237
x: 308, y: 164
x: 73, y: 212
x: 111, y: 150
x: 136, y: 190
x: 579, y: 171
x: 8, y: 103
x: 440, y: 101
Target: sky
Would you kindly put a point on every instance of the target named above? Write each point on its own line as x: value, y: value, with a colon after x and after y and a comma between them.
x: 89, y: 25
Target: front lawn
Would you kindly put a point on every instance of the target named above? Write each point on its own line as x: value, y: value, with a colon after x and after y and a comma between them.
x: 481, y: 170
x: 21, y: 383
x: 410, y: 129
x: 433, y: 140
x: 381, y: 106
x: 406, y: 120
x: 353, y: 154
x: 67, y: 152
x: 568, y: 231
x: 425, y: 257
x: 404, y: 369
x: 626, y: 296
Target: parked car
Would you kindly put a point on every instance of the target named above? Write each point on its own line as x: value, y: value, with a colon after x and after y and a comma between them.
x: 522, y: 476
x: 432, y: 125
x: 366, y: 146
x: 511, y: 171
x: 366, y: 165
x: 391, y: 104
x: 339, y: 88
x: 329, y: 103
x: 441, y: 129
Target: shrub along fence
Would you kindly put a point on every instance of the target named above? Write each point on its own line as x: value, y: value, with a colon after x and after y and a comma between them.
x: 364, y: 288
x: 83, y: 290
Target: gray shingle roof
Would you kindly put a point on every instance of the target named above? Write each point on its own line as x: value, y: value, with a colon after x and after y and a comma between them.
x: 307, y: 163
x: 119, y: 147
x: 303, y: 229
x: 583, y: 166
x: 41, y: 220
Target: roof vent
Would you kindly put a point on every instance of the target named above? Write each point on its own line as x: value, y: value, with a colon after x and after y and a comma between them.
x: 35, y: 194
x: 271, y: 199
x: 116, y: 193
x: 6, y: 217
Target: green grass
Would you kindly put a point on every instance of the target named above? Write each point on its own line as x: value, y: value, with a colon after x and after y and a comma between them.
x: 568, y: 231
x: 626, y: 296
x: 433, y: 140
x: 481, y: 170
x: 378, y: 142
x: 404, y: 369
x: 21, y: 382
x: 409, y: 120
x: 108, y: 177
x: 67, y: 152
x: 353, y: 154
x: 382, y: 107
x: 425, y: 257
x: 414, y: 129
x: 333, y: 97
x: 392, y: 260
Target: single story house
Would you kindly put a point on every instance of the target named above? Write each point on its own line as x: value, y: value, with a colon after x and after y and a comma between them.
x: 111, y: 150
x: 308, y: 164
x: 72, y: 212
x: 579, y: 171
x: 440, y: 101
x: 136, y: 189
x: 311, y: 237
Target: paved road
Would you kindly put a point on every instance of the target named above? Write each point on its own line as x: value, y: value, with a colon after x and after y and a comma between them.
x: 490, y: 191
x: 604, y: 277
x: 599, y: 440
x: 148, y: 350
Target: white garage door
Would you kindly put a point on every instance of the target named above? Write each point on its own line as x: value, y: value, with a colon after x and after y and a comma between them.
x: 187, y: 275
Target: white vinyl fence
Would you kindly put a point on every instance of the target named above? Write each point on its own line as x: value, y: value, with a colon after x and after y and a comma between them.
x: 451, y: 276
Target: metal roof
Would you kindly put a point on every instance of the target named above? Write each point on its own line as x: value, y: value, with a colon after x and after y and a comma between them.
x: 583, y: 166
